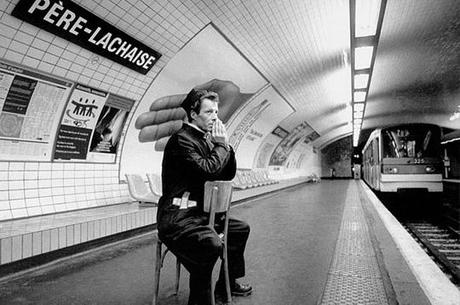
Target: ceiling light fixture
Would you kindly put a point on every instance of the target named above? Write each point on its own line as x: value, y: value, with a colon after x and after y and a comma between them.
x: 359, y: 107
x: 361, y: 80
x: 366, y: 17
x: 363, y: 57
x: 359, y: 96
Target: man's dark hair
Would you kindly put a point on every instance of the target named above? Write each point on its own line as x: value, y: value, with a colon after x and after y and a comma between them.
x: 193, y: 101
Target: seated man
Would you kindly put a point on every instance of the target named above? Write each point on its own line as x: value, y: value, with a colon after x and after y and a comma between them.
x: 199, y: 152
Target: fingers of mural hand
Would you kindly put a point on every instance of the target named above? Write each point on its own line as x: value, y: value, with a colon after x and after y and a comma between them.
x: 148, y: 133
x: 155, y: 132
x: 145, y: 119
x: 159, y: 117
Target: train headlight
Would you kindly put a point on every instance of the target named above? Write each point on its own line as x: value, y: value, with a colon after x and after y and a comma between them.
x: 430, y: 169
x: 390, y: 170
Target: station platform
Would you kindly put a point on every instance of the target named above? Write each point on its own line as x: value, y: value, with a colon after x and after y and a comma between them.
x: 326, y: 243
x: 28, y: 240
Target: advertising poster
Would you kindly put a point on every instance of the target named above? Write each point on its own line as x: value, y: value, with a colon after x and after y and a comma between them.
x: 265, y: 150
x: 196, y: 64
x: 255, y: 121
x: 297, y: 156
x: 286, y: 146
x: 31, y: 106
x: 79, y: 121
x: 108, y: 131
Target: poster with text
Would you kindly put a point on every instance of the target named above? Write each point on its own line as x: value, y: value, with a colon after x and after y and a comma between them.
x: 77, y: 125
x: 31, y: 106
x: 255, y: 120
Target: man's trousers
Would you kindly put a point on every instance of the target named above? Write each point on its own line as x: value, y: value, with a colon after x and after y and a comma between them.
x: 198, y: 249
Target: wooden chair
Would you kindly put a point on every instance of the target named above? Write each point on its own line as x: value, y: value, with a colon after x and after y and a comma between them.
x: 217, y: 199
x: 160, y: 257
x: 139, y: 191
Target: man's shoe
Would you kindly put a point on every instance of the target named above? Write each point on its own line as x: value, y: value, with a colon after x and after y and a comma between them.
x: 241, y: 290
x: 236, y: 289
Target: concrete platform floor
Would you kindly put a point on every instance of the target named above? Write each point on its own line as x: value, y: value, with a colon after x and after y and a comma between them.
x: 288, y: 256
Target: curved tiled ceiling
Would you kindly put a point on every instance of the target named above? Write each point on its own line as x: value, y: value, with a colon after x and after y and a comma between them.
x: 302, y: 48
x: 416, y: 75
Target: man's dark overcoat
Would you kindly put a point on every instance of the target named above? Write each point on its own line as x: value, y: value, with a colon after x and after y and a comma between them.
x: 189, y: 161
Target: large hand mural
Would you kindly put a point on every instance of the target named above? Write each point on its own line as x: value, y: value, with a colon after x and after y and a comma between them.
x: 207, y: 61
x: 166, y: 116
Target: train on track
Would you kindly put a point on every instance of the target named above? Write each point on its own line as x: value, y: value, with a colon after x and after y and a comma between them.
x: 404, y: 157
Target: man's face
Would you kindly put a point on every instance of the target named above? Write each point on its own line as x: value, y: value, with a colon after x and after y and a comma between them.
x: 207, y: 116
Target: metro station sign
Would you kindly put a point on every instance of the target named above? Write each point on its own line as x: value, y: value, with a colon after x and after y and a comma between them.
x: 72, y: 22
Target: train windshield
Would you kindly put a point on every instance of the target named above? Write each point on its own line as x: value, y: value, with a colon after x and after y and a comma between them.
x: 411, y: 142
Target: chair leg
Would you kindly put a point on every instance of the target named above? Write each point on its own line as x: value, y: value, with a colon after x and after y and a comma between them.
x: 156, y: 279
x: 227, y: 276
x: 177, y: 275
x: 213, y: 288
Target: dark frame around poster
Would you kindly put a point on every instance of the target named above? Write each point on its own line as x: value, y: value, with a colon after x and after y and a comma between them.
x: 91, y: 126
x: 31, y: 107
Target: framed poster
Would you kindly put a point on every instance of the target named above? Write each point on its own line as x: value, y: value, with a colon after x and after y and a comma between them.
x: 286, y: 146
x: 108, y: 131
x: 31, y: 106
x: 78, y: 122
x: 92, y: 125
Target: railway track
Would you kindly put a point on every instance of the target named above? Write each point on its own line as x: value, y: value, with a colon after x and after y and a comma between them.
x: 442, y: 243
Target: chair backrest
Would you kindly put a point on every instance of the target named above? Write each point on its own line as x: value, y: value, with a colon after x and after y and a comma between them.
x: 155, y: 184
x: 217, y: 199
x: 217, y: 196
x: 136, y: 185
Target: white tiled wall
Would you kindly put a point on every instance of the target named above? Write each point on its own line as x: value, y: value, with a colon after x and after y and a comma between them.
x: 46, y: 239
x: 38, y: 188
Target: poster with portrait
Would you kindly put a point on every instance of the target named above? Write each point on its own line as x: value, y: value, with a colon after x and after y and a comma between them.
x: 31, y: 106
x: 108, y: 131
x: 78, y: 122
